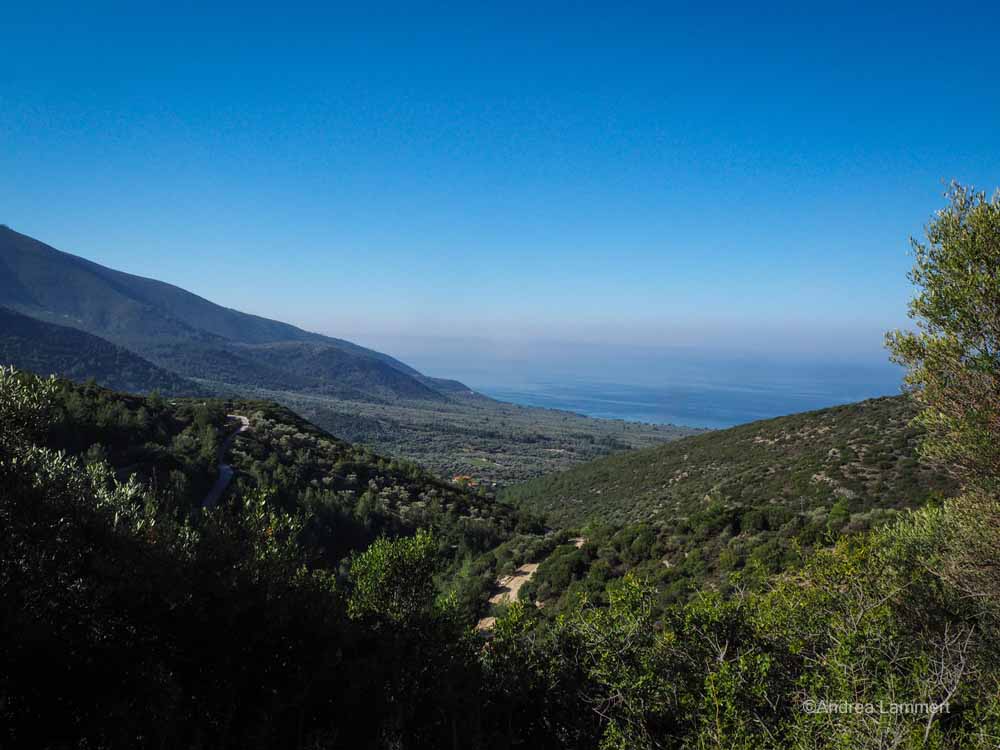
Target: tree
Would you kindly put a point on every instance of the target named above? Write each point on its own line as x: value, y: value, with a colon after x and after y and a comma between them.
x: 954, y: 372
x: 628, y: 663
x: 953, y: 357
x: 394, y: 579
x: 25, y: 407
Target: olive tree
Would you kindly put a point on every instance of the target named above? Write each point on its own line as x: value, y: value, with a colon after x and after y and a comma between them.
x: 953, y: 356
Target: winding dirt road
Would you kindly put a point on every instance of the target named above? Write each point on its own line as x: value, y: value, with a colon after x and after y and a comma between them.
x: 510, y: 586
x: 225, y: 470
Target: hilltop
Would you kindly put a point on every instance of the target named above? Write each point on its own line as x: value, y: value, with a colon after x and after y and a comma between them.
x: 860, y: 454
x: 346, y: 494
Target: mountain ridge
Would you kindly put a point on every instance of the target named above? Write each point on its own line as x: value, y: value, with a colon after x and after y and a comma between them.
x: 181, y: 331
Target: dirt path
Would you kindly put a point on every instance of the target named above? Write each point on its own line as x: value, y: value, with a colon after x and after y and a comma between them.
x: 511, y: 585
x: 225, y: 470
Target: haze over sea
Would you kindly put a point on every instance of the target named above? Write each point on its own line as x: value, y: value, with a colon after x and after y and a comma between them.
x: 663, y: 385
x: 694, y: 404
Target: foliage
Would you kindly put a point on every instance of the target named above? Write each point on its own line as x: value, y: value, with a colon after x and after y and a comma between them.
x: 25, y: 406
x: 864, y: 453
x: 732, y: 507
x: 954, y: 356
x: 350, y: 496
x: 133, y: 619
x: 35, y: 345
x: 495, y: 443
x: 128, y: 625
x: 393, y: 580
x: 867, y: 623
x: 629, y: 669
x: 139, y: 335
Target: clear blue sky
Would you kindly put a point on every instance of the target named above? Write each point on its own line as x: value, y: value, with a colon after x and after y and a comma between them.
x: 741, y: 178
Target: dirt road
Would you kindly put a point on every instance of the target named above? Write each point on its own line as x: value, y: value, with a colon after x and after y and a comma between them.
x: 510, y: 586
x: 225, y: 470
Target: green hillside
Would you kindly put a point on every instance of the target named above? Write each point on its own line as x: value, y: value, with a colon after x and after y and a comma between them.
x: 131, y: 615
x: 350, y: 495
x: 861, y: 455
x: 31, y: 344
x: 359, y: 394
x: 346, y: 495
x: 718, y: 592
x: 492, y: 442
x: 730, y: 507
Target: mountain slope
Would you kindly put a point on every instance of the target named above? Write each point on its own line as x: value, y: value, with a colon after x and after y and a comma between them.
x: 197, y: 338
x: 345, y: 494
x: 31, y: 344
x: 863, y: 453
x: 727, y: 508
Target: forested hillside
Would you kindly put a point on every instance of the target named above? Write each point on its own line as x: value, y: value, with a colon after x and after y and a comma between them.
x: 162, y: 337
x: 31, y: 344
x: 491, y: 442
x: 726, y: 508
x: 857, y: 457
x: 347, y: 496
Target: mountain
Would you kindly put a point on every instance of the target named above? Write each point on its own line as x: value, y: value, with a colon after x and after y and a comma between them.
x: 863, y: 453
x: 749, y: 500
x: 362, y: 395
x: 192, y: 336
x: 31, y: 344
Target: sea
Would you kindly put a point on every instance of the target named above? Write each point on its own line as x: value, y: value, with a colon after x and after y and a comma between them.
x: 712, y: 400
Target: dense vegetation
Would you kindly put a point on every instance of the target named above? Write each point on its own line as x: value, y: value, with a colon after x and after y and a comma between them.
x: 127, y: 624
x: 347, y: 495
x: 860, y: 645
x: 729, y: 508
x: 31, y: 344
x: 132, y: 624
x: 350, y: 495
x: 495, y: 444
x: 130, y: 620
x: 855, y: 456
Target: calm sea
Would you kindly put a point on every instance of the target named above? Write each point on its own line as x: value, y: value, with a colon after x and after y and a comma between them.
x: 706, y: 401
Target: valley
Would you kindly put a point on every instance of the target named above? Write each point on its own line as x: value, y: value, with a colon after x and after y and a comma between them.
x: 494, y: 444
x: 142, y: 335
x: 499, y: 376
x: 298, y: 531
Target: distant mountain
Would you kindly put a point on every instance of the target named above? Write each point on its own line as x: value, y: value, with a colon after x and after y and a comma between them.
x: 46, y: 348
x: 192, y: 336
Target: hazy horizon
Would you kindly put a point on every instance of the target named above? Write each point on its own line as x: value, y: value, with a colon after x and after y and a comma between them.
x: 652, y: 177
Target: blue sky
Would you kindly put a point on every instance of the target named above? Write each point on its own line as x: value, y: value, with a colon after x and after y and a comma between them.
x: 435, y: 181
